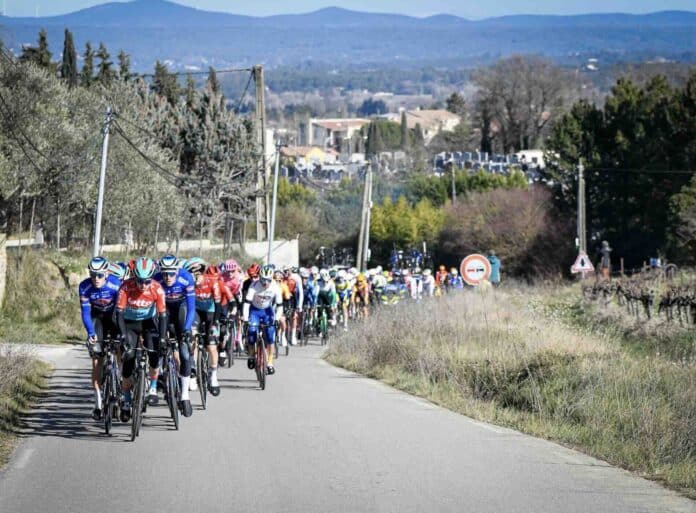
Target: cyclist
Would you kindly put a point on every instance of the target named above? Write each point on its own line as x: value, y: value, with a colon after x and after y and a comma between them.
x: 294, y: 284
x: 442, y: 279
x: 226, y: 298
x: 180, y: 298
x: 361, y: 294
x: 326, y: 297
x: 428, y: 283
x: 98, y: 295
x: 455, y: 281
x: 233, y: 279
x: 263, y: 304
x: 308, y: 293
x: 208, y: 308
x: 343, y: 291
x: 141, y: 309
x: 279, y: 278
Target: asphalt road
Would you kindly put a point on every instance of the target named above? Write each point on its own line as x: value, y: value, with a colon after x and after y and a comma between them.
x: 319, y: 439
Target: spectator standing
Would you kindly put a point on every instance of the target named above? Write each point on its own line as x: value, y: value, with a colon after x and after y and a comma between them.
x: 495, y: 268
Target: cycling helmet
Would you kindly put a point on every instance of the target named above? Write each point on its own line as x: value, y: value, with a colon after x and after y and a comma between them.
x: 98, y: 264
x: 304, y: 273
x: 454, y: 272
x: 195, y: 265
x: 253, y: 270
x: 442, y: 268
x: 314, y: 270
x: 361, y: 278
x: 427, y: 272
x: 278, y: 274
x: 267, y: 272
x: 118, y: 271
x: 332, y: 273
x: 144, y: 268
x: 169, y: 263
x: 212, y: 270
x: 324, y: 275
x: 229, y: 266
x: 353, y: 271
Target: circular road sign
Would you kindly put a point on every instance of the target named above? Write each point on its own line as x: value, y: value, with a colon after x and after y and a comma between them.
x: 475, y: 268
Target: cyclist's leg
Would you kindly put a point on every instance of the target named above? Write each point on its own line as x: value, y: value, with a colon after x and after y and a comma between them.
x: 252, y: 335
x: 268, y: 319
x: 97, y: 354
x: 133, y: 330
x: 223, y: 332
x: 184, y: 354
x: 153, y: 358
x: 211, y: 348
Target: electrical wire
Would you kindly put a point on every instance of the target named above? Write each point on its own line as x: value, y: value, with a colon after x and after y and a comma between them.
x: 167, y: 175
x: 186, y: 73
x: 246, y: 89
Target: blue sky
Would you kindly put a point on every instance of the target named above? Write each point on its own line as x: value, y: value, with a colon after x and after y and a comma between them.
x: 465, y: 8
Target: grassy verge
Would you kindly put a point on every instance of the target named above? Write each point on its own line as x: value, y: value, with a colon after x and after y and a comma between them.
x: 21, y: 379
x: 508, y: 357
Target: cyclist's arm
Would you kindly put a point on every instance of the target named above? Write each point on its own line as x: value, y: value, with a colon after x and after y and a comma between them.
x: 217, y: 297
x: 161, y: 306
x: 86, y: 308
x: 278, y: 303
x: 299, y: 293
x: 121, y: 303
x: 190, y: 306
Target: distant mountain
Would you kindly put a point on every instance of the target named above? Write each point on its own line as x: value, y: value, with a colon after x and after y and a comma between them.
x: 189, y: 38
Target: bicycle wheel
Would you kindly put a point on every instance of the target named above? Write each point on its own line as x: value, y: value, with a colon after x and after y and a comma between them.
x: 324, y: 328
x: 229, y: 346
x: 138, y: 399
x: 172, y: 399
x: 202, y: 374
x: 106, y: 403
x: 263, y: 359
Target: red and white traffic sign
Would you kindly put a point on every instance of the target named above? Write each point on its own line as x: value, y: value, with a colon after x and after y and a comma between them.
x: 582, y: 264
x: 475, y: 268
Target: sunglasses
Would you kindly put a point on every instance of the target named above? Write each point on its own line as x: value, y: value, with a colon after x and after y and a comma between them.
x: 99, y: 276
x: 168, y: 274
x: 144, y: 282
x: 266, y: 281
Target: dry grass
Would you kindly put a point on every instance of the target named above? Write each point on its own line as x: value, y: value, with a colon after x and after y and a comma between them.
x: 21, y: 378
x: 507, y: 357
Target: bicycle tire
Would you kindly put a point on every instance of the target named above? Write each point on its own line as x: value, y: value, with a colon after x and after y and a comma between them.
x: 172, y: 399
x: 229, y: 345
x: 264, y: 365
x: 137, y: 407
x: 106, y: 404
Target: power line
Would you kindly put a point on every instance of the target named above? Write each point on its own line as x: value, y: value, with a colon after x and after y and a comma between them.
x: 641, y: 171
x: 134, y: 125
x: 167, y: 175
x: 186, y: 73
x: 246, y: 89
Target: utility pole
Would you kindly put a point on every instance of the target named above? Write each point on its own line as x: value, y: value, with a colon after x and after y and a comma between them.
x: 102, y: 179
x: 582, y: 240
x: 271, y: 234
x: 368, y: 217
x: 363, y: 218
x: 263, y: 175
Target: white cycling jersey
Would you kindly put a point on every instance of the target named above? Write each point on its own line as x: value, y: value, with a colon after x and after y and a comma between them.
x: 262, y: 297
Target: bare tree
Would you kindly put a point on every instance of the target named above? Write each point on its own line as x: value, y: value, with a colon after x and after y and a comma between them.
x: 517, y: 100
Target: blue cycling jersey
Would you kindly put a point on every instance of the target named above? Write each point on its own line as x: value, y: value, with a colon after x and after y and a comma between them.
x: 310, y: 293
x: 100, y: 300
x: 183, y: 289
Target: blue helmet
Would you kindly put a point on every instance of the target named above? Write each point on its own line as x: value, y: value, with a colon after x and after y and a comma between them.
x: 144, y: 268
x: 98, y: 264
x: 169, y: 263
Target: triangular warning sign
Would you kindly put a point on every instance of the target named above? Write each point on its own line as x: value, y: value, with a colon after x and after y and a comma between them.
x: 582, y: 264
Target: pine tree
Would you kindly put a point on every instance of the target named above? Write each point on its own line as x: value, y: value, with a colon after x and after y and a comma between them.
x: 456, y: 104
x: 405, y: 139
x: 87, y: 74
x: 68, y: 69
x: 213, y: 82
x: 190, y: 91
x: 165, y: 84
x: 40, y: 54
x: 124, y: 72
x: 105, y: 73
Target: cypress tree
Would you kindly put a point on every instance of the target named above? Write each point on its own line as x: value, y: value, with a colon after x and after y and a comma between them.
x: 190, y: 91
x: 404, y: 132
x: 213, y: 82
x: 68, y: 69
x: 418, y: 139
x: 124, y: 72
x: 44, y: 55
x: 105, y: 73
x: 87, y: 74
x: 165, y: 84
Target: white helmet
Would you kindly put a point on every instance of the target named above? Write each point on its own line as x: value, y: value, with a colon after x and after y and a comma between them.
x: 379, y: 269
x: 342, y: 275
x: 427, y: 272
x: 324, y: 275
x: 314, y: 270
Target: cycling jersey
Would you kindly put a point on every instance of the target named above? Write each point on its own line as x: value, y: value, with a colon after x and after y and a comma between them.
x: 263, y: 297
x: 361, y: 291
x: 208, y: 293
x: 95, y: 300
x: 234, y: 282
x: 309, y: 293
x: 225, y: 293
x: 299, y: 290
x: 183, y: 289
x: 138, y: 304
x: 326, y: 293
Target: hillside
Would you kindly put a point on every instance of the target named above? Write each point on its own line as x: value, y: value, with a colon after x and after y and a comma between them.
x: 159, y: 29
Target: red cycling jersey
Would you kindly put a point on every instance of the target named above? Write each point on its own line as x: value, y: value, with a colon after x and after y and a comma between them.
x: 291, y: 285
x: 225, y: 292
x: 441, y: 277
x: 141, y: 304
x: 208, y: 289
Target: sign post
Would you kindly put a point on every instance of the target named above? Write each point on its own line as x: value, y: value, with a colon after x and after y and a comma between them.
x: 582, y: 264
x: 475, y: 269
